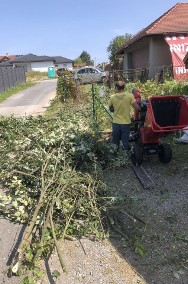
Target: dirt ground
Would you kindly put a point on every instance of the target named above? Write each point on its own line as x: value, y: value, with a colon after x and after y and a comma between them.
x: 164, y: 237
x: 148, y: 242
x: 164, y: 209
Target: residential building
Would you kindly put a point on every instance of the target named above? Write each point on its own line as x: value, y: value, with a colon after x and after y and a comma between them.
x: 164, y: 43
x: 42, y: 63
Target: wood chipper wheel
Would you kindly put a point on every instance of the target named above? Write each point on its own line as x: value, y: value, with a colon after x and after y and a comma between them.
x: 165, y: 153
x: 139, y: 139
x: 137, y: 155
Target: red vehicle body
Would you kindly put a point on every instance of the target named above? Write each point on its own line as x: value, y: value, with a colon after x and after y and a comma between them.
x: 159, y: 116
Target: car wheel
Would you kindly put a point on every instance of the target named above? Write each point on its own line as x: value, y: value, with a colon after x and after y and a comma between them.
x: 164, y: 153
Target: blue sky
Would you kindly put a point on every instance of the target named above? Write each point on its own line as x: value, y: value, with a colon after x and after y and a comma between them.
x: 67, y: 27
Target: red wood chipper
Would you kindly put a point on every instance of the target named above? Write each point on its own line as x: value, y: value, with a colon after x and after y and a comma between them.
x: 159, y: 116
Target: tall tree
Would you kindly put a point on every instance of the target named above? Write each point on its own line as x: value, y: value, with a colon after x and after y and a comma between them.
x: 86, y: 58
x: 78, y: 60
x: 114, y: 45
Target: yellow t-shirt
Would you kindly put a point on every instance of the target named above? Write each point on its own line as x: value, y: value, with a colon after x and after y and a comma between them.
x: 121, y: 103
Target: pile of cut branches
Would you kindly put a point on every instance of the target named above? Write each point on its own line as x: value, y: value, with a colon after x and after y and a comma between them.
x: 50, y: 171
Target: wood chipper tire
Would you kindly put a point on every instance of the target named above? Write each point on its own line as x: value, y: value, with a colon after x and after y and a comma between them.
x: 165, y: 153
x: 139, y: 139
x: 137, y: 155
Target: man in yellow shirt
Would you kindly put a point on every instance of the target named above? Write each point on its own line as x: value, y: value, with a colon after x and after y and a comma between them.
x: 120, y: 104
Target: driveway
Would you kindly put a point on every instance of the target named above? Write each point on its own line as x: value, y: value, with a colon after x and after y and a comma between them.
x: 31, y: 101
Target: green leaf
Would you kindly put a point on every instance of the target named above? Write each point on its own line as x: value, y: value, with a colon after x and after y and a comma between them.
x: 55, y: 273
x: 176, y: 274
x: 27, y: 280
x: 21, y: 209
x: 139, y: 251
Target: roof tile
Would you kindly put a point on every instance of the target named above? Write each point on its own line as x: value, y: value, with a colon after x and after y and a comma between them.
x: 173, y: 21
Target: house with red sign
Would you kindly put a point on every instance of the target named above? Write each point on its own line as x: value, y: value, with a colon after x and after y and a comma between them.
x: 162, y: 44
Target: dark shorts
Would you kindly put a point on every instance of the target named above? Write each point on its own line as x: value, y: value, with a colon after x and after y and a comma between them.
x: 120, y: 132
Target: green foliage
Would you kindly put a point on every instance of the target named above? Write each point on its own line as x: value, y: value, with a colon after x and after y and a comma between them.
x: 103, y: 118
x: 114, y: 45
x: 36, y: 74
x: 86, y: 58
x: 66, y: 86
x: 27, y: 280
x: 138, y: 248
x: 151, y: 88
x: 60, y: 160
x: 55, y: 274
x: 33, y: 276
x: 78, y: 60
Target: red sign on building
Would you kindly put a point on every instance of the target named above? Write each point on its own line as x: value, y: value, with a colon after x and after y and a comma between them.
x: 178, y: 48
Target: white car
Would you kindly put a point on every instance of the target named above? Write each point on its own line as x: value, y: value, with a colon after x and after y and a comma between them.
x: 90, y: 75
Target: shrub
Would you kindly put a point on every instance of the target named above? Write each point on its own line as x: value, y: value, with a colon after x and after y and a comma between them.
x: 36, y: 75
x: 66, y: 86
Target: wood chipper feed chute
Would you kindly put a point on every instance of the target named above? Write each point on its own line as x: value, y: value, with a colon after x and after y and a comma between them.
x: 168, y: 113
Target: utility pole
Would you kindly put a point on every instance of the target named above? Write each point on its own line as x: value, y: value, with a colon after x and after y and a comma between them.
x: 95, y: 61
